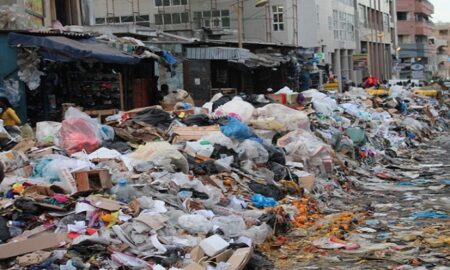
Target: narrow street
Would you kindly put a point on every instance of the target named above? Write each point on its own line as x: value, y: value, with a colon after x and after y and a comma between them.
x: 400, y: 224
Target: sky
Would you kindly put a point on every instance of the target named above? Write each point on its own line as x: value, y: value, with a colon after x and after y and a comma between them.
x: 441, y: 10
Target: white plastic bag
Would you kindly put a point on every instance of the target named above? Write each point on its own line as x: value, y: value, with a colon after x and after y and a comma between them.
x: 279, y: 117
x: 47, y: 132
x: 254, y: 151
x: 238, y: 108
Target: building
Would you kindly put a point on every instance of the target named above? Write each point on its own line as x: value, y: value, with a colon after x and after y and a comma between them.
x: 415, y: 29
x: 321, y: 26
x: 442, y: 35
x: 43, y: 13
x: 376, y: 37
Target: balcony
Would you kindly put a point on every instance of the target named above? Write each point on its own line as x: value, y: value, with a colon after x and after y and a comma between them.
x: 418, y: 6
x: 412, y: 27
x: 411, y: 50
x: 423, y: 6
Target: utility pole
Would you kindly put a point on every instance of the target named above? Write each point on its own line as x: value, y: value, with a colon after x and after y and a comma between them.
x: 239, y: 6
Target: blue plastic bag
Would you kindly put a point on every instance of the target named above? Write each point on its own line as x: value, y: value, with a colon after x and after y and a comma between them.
x: 237, y: 130
x: 439, y: 215
x: 261, y: 201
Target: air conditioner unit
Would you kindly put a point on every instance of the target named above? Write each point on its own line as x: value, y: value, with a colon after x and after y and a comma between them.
x: 260, y: 3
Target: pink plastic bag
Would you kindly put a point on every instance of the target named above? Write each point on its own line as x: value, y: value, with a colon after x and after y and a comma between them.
x: 79, y: 134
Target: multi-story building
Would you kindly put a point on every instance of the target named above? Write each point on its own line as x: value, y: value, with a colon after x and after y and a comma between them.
x: 376, y: 36
x: 330, y: 28
x: 414, y: 31
x: 442, y: 35
x: 43, y: 13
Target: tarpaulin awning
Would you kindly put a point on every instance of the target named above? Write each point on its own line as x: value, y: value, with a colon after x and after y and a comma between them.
x: 61, y: 48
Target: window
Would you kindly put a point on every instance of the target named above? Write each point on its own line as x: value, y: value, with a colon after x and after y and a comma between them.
x: 142, y: 18
x: 185, y: 17
x: 113, y: 20
x: 386, y: 27
x: 158, y: 19
x: 343, y: 26
x: 278, y: 20
x: 363, y: 15
x: 213, y: 19
x: 441, y: 32
x: 168, y: 3
x: 402, y: 16
x: 127, y: 19
x: 176, y: 18
x: 100, y: 20
x: 167, y: 18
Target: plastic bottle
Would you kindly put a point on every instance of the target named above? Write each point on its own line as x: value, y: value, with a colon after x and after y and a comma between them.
x: 123, y: 191
x: 16, y: 224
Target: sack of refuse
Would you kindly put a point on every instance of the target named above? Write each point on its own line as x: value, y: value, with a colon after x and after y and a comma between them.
x: 280, y: 118
x: 79, y: 132
x: 237, y: 108
x: 303, y: 146
x: 47, y: 132
x: 236, y: 129
x: 322, y: 103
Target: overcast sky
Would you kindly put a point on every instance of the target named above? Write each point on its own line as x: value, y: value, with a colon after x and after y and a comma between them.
x: 441, y: 10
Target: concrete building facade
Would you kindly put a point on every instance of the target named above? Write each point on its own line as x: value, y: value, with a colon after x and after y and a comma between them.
x: 442, y: 35
x: 336, y: 29
x: 43, y: 13
x: 376, y: 35
x: 415, y: 29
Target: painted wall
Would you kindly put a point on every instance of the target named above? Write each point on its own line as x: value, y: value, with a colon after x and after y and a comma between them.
x: 8, y: 65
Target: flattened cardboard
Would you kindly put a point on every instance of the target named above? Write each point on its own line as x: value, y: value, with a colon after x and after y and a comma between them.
x: 194, y: 266
x: 24, y: 146
x: 240, y: 258
x: 183, y: 134
x: 307, y: 182
x: 155, y: 222
x: 44, y: 241
x: 104, y: 203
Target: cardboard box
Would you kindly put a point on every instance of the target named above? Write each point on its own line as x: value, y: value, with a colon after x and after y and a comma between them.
x: 182, y: 134
x: 41, y: 242
x: 24, y: 172
x: 92, y: 180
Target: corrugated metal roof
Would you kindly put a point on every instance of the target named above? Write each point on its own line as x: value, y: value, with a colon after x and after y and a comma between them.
x: 217, y: 53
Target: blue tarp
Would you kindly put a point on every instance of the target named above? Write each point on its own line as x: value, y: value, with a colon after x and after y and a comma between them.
x: 62, y: 49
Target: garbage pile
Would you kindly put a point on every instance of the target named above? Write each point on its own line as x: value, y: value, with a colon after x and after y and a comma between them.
x: 185, y: 189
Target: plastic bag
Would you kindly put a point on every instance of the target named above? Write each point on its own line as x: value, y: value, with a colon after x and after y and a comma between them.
x: 322, y: 103
x: 10, y: 90
x: 107, y: 133
x: 232, y: 226
x: 78, y: 134
x: 254, y: 151
x: 220, y: 139
x: 238, y: 108
x: 195, y: 223
x: 258, y: 234
x: 236, y: 129
x: 162, y: 154
x: 49, y: 166
x: 281, y: 118
x: 303, y: 146
x: 47, y: 132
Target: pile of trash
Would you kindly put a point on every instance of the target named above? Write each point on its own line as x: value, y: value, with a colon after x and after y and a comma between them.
x: 202, y: 188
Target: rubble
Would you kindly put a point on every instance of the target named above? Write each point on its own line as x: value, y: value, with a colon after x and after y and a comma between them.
x: 155, y: 189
